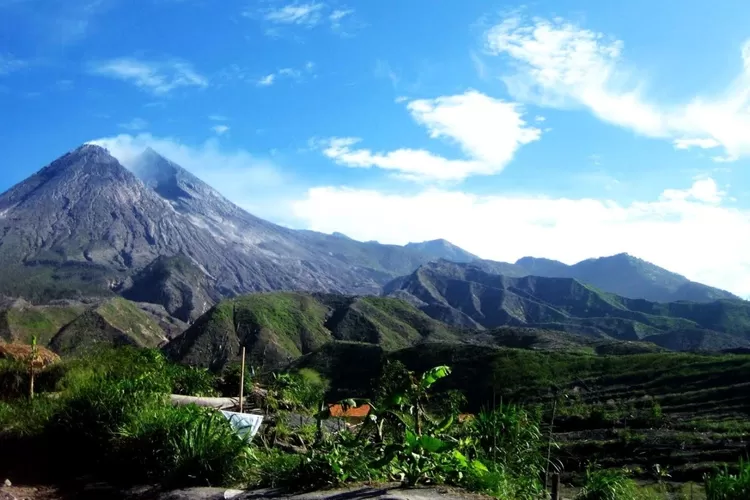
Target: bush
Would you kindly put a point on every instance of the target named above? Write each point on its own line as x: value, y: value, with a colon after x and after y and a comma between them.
x: 274, y: 468
x: 25, y: 418
x: 191, y: 381
x: 303, y: 390
x: 14, y: 379
x: 725, y: 485
x: 228, y: 385
x: 510, y: 437
x: 604, y: 484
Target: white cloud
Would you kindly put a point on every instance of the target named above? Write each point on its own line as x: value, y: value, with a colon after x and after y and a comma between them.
x: 308, y: 14
x: 562, y: 65
x: 157, y: 77
x: 292, y: 73
x: 256, y: 184
x: 267, y: 80
x: 134, y: 124
x: 338, y: 14
x: 218, y: 118
x: 302, y: 14
x: 686, y: 231
x: 707, y: 143
x: 220, y: 129
x: 488, y: 131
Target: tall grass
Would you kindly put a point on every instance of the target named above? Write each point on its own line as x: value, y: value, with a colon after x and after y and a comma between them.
x: 726, y: 485
x: 183, y: 446
x: 112, y: 409
x: 607, y: 484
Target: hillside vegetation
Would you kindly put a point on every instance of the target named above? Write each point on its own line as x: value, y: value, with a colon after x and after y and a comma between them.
x: 278, y: 327
x: 73, y: 327
x: 686, y: 412
x: 468, y: 296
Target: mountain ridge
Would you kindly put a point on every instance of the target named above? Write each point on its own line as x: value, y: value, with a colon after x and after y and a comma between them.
x: 466, y: 295
x: 84, y: 225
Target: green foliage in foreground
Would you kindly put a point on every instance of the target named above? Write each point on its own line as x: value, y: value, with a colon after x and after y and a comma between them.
x: 727, y: 485
x: 112, y: 408
x: 607, y: 485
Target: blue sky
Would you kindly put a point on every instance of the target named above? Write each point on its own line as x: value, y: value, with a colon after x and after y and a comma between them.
x: 558, y: 129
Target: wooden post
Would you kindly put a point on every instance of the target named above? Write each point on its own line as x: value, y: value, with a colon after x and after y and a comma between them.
x: 242, y: 379
x: 555, y: 487
x: 32, y: 362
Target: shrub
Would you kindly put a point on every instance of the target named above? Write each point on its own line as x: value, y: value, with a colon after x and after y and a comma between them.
x: 725, y: 485
x: 14, y: 379
x: 304, y: 390
x: 26, y: 418
x: 228, y: 384
x: 192, y: 381
x: 274, y: 468
x: 207, y: 451
x: 607, y: 484
x: 511, y: 437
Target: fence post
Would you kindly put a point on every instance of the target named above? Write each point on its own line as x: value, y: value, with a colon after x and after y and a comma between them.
x: 242, y: 380
x: 555, y: 487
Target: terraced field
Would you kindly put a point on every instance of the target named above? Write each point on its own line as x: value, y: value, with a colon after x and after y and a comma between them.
x: 688, y: 413
x: 688, y: 419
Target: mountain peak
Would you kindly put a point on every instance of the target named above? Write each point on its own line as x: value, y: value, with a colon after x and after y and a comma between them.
x: 443, y: 249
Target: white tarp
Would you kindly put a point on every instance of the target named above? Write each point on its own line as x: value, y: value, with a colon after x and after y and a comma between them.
x: 245, y: 424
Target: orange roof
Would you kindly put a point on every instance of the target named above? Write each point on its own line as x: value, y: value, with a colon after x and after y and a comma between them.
x: 359, y: 411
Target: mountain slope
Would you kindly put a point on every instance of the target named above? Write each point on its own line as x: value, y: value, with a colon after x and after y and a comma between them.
x: 442, y: 249
x: 85, y: 225
x: 70, y: 327
x: 113, y: 322
x: 466, y: 295
x: 628, y: 276
x: 279, y: 327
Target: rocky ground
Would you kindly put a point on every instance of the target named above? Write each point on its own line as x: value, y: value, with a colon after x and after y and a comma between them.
x: 101, y: 491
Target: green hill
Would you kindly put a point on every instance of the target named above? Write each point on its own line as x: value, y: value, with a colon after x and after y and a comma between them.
x: 466, y: 295
x: 69, y: 327
x: 279, y: 327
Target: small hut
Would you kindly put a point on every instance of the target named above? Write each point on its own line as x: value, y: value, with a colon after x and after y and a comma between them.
x: 42, y: 358
x: 33, y: 357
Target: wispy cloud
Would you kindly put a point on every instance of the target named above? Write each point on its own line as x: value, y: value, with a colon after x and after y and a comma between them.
x: 134, y: 124
x: 488, y: 131
x: 158, y: 77
x: 383, y: 69
x: 58, y: 23
x: 307, y: 14
x: 291, y: 73
x: 561, y: 65
x: 301, y: 14
x: 218, y: 118
x: 220, y: 129
x: 9, y: 64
